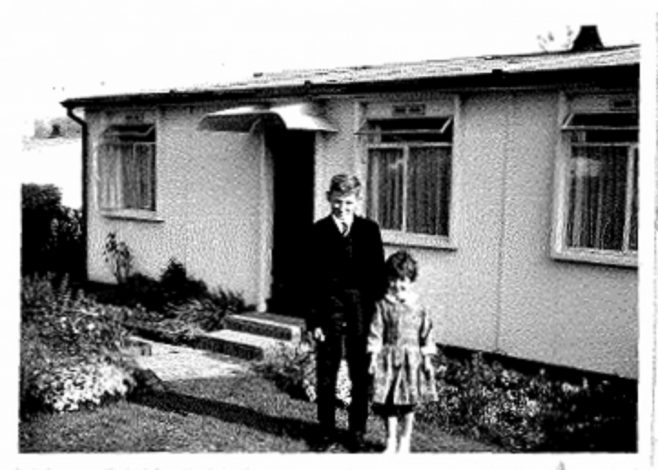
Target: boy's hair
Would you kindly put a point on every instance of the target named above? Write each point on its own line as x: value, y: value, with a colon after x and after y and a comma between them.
x: 400, y: 265
x: 344, y: 184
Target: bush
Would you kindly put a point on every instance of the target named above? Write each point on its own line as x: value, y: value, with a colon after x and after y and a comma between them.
x: 71, y: 348
x: 75, y: 384
x: 51, y: 239
x: 531, y: 412
x: 293, y: 370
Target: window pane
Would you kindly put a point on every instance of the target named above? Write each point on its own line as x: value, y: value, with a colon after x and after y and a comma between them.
x: 632, y: 241
x: 109, y: 163
x: 145, y: 176
x: 130, y: 175
x: 386, y: 179
x: 428, y: 196
x: 597, y: 195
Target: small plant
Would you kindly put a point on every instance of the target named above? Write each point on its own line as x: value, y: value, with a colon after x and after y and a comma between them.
x: 293, y: 370
x: 117, y: 254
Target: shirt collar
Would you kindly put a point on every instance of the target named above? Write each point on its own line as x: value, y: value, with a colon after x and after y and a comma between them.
x: 339, y: 223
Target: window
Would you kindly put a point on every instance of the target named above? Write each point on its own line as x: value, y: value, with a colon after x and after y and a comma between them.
x: 127, y: 167
x: 409, y: 174
x: 600, y: 206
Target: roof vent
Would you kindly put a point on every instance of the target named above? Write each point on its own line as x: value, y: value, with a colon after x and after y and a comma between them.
x: 588, y: 39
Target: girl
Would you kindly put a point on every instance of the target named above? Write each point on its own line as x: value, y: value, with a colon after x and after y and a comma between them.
x: 401, y: 348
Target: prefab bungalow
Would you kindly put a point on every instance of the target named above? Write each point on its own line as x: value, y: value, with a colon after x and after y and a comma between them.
x: 512, y: 179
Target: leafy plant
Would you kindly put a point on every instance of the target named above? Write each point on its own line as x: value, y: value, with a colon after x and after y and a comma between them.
x: 293, y: 370
x: 65, y: 334
x: 119, y: 257
x: 531, y: 411
x: 51, y: 237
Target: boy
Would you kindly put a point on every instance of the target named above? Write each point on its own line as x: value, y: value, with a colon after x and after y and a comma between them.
x: 346, y: 277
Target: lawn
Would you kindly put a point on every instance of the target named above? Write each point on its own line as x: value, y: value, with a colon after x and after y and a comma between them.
x: 226, y: 414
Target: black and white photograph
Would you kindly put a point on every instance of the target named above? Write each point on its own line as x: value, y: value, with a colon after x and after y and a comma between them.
x: 258, y: 233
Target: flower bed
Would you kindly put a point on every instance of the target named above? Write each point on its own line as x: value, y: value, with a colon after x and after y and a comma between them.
x: 71, y: 349
x: 522, y: 411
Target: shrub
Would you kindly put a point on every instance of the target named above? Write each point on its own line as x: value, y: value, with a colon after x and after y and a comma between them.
x: 51, y: 238
x: 118, y: 256
x: 71, y: 347
x: 293, y: 370
x: 531, y: 412
x: 74, y: 384
x: 179, y: 286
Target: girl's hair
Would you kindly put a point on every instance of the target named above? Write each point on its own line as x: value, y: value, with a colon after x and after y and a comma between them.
x: 400, y: 265
x: 344, y: 184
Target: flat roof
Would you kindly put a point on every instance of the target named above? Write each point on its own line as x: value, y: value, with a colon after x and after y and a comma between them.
x: 340, y: 80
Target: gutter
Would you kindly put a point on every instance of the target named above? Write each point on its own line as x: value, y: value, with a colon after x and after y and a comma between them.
x: 85, y: 186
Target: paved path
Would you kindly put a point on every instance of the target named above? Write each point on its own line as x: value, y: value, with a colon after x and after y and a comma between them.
x: 171, y: 362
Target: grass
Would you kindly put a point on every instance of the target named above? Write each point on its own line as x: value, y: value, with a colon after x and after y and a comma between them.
x: 225, y: 414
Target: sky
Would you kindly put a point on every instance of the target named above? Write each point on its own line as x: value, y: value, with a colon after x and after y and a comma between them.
x: 70, y: 48
x: 60, y: 49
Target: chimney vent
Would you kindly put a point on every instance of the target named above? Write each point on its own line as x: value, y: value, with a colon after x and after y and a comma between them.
x: 588, y: 39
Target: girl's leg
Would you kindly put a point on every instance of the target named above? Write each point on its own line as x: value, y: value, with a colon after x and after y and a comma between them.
x: 405, y: 437
x: 391, y: 421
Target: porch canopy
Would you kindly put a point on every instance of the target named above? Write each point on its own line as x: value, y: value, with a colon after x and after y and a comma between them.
x: 295, y: 116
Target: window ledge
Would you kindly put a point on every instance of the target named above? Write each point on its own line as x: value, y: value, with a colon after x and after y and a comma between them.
x: 596, y: 257
x: 392, y: 237
x: 132, y: 214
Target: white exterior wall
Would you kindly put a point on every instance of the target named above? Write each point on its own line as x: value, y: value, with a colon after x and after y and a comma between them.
x: 500, y: 290
x: 207, y: 200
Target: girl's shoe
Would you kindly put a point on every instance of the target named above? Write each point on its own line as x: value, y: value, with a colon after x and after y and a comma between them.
x: 405, y: 445
x: 390, y: 446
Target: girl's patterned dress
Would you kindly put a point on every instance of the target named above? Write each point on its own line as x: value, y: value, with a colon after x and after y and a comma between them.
x: 400, y: 337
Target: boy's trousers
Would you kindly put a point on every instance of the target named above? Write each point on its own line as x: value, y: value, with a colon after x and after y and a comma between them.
x: 343, y: 339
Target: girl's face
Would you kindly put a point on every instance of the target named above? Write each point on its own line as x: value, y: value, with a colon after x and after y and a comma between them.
x: 399, y: 287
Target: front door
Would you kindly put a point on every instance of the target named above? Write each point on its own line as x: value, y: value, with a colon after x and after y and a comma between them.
x: 293, y: 169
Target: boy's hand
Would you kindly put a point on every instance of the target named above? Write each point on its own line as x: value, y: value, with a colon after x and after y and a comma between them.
x: 318, y: 335
x: 427, y: 364
x: 372, y: 368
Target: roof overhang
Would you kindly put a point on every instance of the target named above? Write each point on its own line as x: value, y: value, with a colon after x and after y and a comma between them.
x: 295, y: 116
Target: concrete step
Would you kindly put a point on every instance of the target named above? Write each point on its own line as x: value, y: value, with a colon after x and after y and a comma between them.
x: 239, y: 344
x: 266, y: 324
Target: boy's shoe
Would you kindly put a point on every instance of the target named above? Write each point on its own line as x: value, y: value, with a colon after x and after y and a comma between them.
x: 325, y: 442
x: 357, y: 442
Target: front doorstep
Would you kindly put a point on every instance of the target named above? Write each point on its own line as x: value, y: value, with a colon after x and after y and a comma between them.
x: 248, y: 336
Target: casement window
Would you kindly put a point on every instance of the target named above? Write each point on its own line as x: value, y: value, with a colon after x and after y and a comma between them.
x: 409, y: 161
x: 126, y: 160
x: 599, y: 206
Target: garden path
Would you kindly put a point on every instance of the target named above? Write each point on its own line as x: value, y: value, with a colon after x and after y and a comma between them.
x: 171, y: 362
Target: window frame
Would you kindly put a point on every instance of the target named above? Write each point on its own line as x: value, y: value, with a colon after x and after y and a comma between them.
x: 111, y: 136
x: 403, y: 237
x: 564, y: 148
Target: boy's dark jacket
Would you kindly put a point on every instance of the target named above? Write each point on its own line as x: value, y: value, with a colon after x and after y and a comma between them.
x: 339, y: 264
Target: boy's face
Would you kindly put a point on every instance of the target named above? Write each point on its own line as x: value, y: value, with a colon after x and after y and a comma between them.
x: 399, y: 287
x: 342, y: 205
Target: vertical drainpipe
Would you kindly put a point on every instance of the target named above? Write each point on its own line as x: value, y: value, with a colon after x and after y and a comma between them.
x: 83, y: 225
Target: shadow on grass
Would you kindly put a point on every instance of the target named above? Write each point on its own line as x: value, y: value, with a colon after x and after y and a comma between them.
x: 292, y: 428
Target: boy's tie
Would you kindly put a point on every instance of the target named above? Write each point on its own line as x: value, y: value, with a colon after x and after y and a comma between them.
x: 344, y: 228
